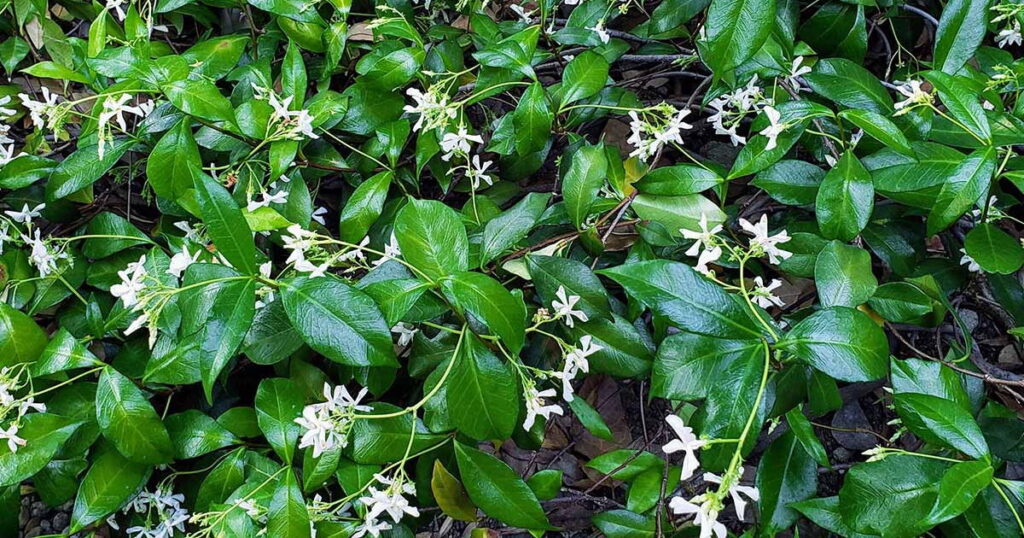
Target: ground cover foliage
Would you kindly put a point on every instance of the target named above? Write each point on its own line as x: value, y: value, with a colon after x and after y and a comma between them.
x: 590, y: 267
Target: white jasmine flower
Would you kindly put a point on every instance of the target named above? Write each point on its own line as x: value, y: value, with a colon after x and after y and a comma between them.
x: 563, y: 305
x: 915, y: 96
x: 432, y: 107
x: 39, y: 111
x: 536, y: 406
x: 705, y: 514
x: 405, y: 333
x: 303, y: 124
x: 708, y: 255
x: 114, y: 109
x: 313, y: 270
x: 327, y: 423
x: 146, y: 108
x: 29, y: 404
x: 390, y: 501
x: 763, y: 295
x: 115, y: 6
x: 42, y: 257
x: 1010, y: 35
x: 280, y: 107
x: 340, y: 399
x: 736, y: 491
x: 705, y: 238
x: 967, y: 260
x: 181, y: 261
x: 796, y: 71
x: 524, y: 15
x: 318, y: 216
x: 26, y: 215
x: 320, y: 432
x: 391, y: 251
x: 371, y: 527
x: 576, y: 362
x: 4, y: 111
x: 133, y: 281
x: 191, y: 233
x: 774, y: 129
x: 650, y: 133
x: 686, y: 442
x: 356, y: 253
x: 764, y: 242
x: 11, y: 435
x: 601, y: 32
x: 458, y: 142
x: 476, y: 172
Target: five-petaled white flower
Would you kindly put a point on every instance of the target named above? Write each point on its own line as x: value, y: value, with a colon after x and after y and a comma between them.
x: 767, y: 243
x: 26, y: 215
x: 563, y: 305
x: 774, y: 128
x: 1010, y: 35
x: 39, y: 111
x: 704, y: 239
x: 703, y: 507
x: 405, y: 333
x: 736, y: 491
x: 763, y: 295
x: 458, y: 143
x: 536, y: 406
x: 575, y: 362
x: 967, y: 260
x: 477, y: 172
x: 181, y: 261
x: 911, y: 89
x: 686, y: 442
x: 796, y: 71
x: 11, y: 435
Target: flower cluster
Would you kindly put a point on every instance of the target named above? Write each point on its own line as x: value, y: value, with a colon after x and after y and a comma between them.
x: 113, y: 110
x: 161, y: 513
x: 705, y: 507
x: 732, y: 108
x: 433, y: 108
x: 1008, y: 13
x: 654, y: 128
x: 13, y: 409
x: 327, y: 423
x: 285, y: 123
x: 45, y: 254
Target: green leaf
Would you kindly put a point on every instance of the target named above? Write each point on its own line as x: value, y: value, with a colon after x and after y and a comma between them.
x: 129, y: 422
x: 962, y: 102
x: 581, y: 183
x: 272, y: 337
x: 880, y: 128
x: 391, y: 70
x: 959, y: 487
x: 44, y: 434
x: 961, y: 29
x: 171, y: 166
x: 532, y: 120
x: 110, y: 482
x: 225, y: 224
x: 993, y: 249
x: 678, y: 212
x: 624, y: 524
x: 841, y: 342
x: 83, y: 167
x: 487, y: 300
x: 942, y: 422
x: 338, y: 321
x: 385, y: 440
x: 804, y: 433
x: 316, y: 471
x: 735, y: 29
x: 216, y: 314
x: 791, y: 182
x: 785, y: 474
x: 21, y: 339
x: 678, y: 180
x: 877, y: 497
x: 364, y: 206
x: 967, y: 184
x: 287, y: 516
x: 194, y: 434
x: 584, y: 76
x: 64, y: 352
x: 825, y: 513
x: 625, y: 464
x: 591, y: 419
x: 845, y: 199
x: 432, y: 238
x: 843, y: 275
x: 482, y: 393
x: 498, y: 490
x: 216, y: 57
x: 688, y: 364
x: 678, y: 293
x: 550, y: 273
x: 848, y: 84
x: 451, y: 497
x: 278, y: 404
x: 199, y: 98
x: 223, y: 479
x: 507, y: 229
x: 107, y: 223
x: 546, y: 483
x: 901, y: 302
